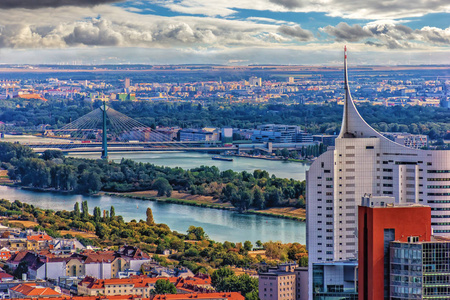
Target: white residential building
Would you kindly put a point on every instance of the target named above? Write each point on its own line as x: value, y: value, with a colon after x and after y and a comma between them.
x: 363, y: 161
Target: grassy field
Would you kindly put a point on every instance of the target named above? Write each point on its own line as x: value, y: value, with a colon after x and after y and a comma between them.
x: 286, y: 211
x: 4, y: 179
x: 80, y: 233
x: 183, y: 198
x: 26, y: 224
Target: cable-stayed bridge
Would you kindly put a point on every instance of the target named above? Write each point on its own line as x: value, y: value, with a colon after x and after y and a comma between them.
x: 105, y: 129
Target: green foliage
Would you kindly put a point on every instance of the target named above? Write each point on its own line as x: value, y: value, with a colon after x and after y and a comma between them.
x: 197, y: 233
x: 112, y: 213
x: 199, y: 255
x: 22, y: 268
x: 149, y: 213
x: 76, y: 210
x: 85, y: 210
x: 433, y: 121
x: 9, y: 151
x: 52, y: 154
x: 163, y: 187
x: 243, y: 190
x: 219, y: 275
x: 163, y: 286
x: 224, y: 279
x: 248, y: 246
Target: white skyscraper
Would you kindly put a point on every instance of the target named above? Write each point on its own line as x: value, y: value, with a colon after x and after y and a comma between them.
x: 365, y: 162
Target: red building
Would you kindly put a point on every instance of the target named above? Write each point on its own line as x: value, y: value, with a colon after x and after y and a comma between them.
x: 377, y: 227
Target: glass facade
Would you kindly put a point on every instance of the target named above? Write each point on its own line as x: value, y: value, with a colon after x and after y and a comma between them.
x: 344, y: 290
x: 420, y: 270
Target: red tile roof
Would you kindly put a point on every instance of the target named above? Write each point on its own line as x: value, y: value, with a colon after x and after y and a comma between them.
x: 137, y: 281
x: 17, y: 257
x: 31, y: 289
x: 39, y: 237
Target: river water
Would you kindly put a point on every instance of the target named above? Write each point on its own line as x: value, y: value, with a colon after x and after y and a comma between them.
x: 220, y: 225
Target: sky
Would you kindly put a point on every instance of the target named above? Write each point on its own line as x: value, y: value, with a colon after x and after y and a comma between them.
x: 226, y: 32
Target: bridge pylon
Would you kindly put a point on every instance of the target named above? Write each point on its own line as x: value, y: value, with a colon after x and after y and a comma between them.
x: 104, y: 133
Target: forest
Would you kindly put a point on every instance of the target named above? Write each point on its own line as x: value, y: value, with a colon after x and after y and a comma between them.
x: 433, y: 121
x: 52, y: 170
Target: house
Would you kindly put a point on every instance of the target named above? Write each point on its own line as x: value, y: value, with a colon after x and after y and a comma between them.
x: 5, y: 253
x: 18, y: 244
x: 4, y: 277
x: 135, y: 285
x: 66, y: 246
x: 38, y: 242
x: 39, y: 266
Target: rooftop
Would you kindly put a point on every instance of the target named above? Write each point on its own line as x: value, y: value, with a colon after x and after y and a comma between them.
x: 31, y: 289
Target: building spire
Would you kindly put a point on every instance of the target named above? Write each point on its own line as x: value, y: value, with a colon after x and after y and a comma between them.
x: 353, y: 125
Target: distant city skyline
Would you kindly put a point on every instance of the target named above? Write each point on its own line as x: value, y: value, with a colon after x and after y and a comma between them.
x: 230, y: 32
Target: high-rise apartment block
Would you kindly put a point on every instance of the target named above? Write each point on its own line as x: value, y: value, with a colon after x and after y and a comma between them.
x: 363, y: 162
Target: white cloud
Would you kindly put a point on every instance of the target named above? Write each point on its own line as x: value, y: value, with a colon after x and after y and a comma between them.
x: 61, y: 27
x: 296, y: 32
x: 389, y: 35
x: 368, y: 9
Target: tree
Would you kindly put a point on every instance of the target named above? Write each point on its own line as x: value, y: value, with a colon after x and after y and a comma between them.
x: 248, y: 246
x: 97, y: 214
x: 102, y: 231
x: 76, y: 210
x: 218, y: 275
x: 243, y: 283
x: 51, y: 154
x: 253, y: 295
x: 163, y: 186
x: 163, y: 286
x: 89, y: 182
x: 197, y: 232
x: 112, y: 213
x: 258, y: 198
x: 85, y: 210
x: 22, y: 268
x: 245, y: 200
x: 150, y: 220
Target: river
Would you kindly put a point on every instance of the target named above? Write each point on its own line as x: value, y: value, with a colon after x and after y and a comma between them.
x: 188, y: 160
x: 220, y: 225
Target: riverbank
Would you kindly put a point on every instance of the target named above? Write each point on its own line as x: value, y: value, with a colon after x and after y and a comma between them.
x: 221, y: 224
x: 298, y: 214
x: 4, y: 179
x: 292, y: 213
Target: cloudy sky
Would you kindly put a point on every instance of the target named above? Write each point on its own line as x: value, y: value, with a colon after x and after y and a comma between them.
x: 230, y: 32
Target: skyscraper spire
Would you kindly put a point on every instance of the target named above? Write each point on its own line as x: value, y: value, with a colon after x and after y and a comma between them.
x: 353, y: 125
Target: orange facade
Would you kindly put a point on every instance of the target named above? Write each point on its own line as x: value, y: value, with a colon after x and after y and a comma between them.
x: 377, y: 226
